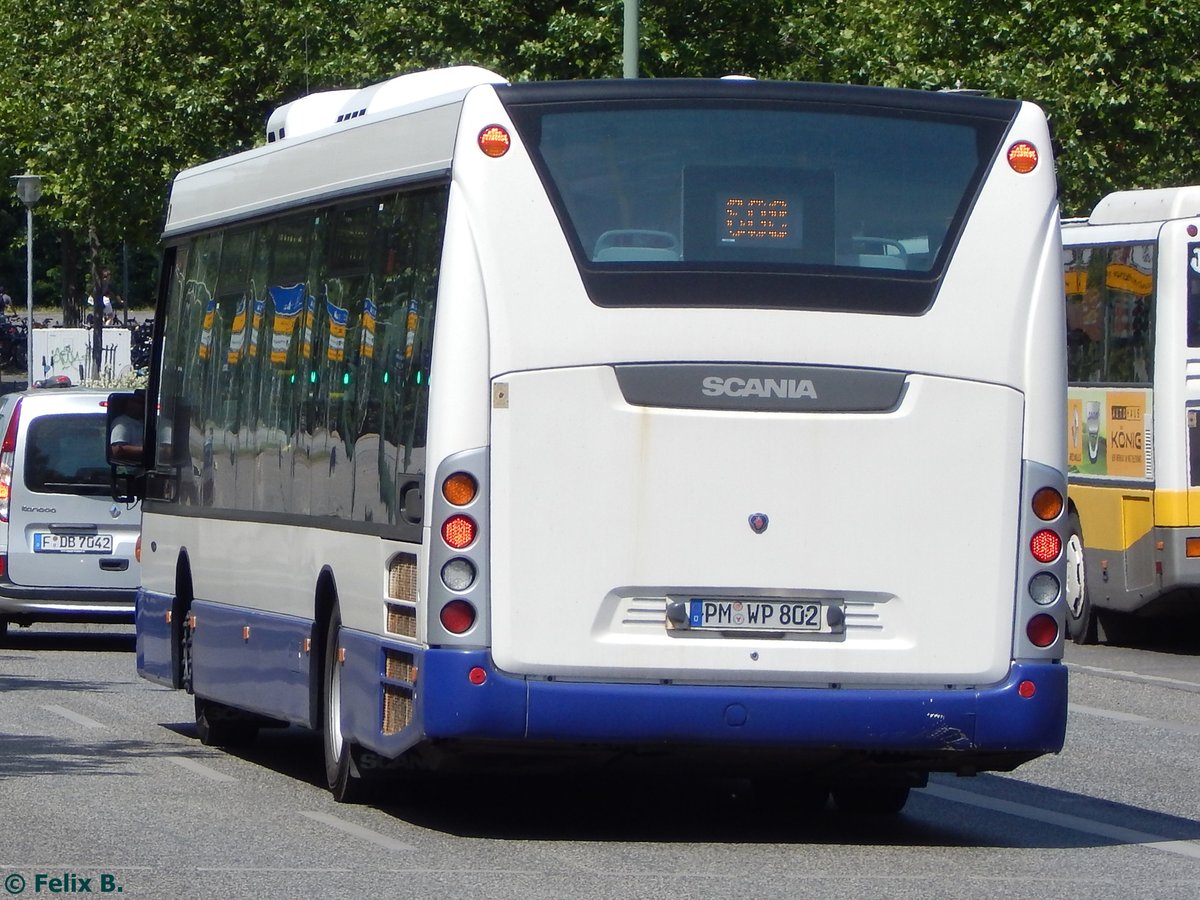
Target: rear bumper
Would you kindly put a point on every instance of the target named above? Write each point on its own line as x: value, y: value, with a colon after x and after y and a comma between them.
x: 993, y: 723
x: 67, y: 604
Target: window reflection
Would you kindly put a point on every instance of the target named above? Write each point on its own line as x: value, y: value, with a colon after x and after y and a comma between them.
x: 1110, y: 313
x: 297, y: 378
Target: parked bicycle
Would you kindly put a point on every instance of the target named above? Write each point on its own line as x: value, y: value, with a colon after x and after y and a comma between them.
x: 14, y: 348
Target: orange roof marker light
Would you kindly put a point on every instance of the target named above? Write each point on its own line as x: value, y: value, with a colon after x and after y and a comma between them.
x: 494, y: 141
x: 1023, y: 157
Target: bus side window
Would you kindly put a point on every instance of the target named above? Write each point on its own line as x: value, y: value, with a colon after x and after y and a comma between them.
x: 1193, y: 298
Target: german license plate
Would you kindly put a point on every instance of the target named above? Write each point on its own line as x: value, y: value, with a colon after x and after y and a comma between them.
x: 53, y: 542
x: 720, y: 614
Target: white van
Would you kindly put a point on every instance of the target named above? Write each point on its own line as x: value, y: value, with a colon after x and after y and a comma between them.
x: 67, y: 549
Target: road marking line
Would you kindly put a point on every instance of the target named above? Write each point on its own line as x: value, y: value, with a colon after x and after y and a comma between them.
x: 1134, y: 676
x: 199, y: 768
x: 1117, y: 833
x: 1161, y: 724
x: 75, y: 717
x: 358, y: 831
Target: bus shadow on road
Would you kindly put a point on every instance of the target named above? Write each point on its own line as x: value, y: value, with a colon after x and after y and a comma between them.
x: 987, y: 811
x: 732, y: 811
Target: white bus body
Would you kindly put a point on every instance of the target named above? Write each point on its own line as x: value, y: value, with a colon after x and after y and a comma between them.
x: 1133, y: 346
x: 741, y: 476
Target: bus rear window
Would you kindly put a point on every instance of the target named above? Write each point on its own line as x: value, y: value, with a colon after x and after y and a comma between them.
x: 700, y: 187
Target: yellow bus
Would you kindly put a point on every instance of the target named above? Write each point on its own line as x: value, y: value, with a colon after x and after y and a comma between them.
x: 1132, y: 271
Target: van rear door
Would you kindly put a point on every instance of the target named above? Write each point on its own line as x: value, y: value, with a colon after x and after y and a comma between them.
x: 64, y: 528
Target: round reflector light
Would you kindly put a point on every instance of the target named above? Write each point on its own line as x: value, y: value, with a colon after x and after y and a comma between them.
x: 1043, y: 588
x: 1042, y: 630
x: 460, y: 489
x: 1023, y: 157
x: 477, y: 675
x: 1027, y: 689
x: 494, y: 141
x: 457, y: 616
x: 458, y: 574
x: 458, y: 531
x: 1045, y: 546
x: 1047, y: 504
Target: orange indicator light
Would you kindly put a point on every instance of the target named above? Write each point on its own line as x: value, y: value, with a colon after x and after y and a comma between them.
x: 1023, y: 157
x: 494, y: 141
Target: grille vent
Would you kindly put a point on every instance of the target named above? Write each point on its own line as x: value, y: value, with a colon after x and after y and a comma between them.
x: 402, y: 578
x: 397, y: 708
x: 401, y: 620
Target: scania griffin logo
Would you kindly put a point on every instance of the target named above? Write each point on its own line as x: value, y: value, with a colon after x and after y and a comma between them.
x: 790, y: 388
x: 759, y: 522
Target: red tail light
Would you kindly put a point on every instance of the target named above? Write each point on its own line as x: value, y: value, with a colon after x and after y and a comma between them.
x: 457, y: 616
x: 10, y: 434
x: 1042, y: 630
x: 8, y: 451
x: 458, y: 531
x: 1045, y: 546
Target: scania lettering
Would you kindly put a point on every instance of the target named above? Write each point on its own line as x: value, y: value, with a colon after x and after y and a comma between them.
x: 715, y: 386
x: 471, y: 403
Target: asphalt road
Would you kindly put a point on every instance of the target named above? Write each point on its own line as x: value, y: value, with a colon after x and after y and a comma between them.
x: 103, y: 780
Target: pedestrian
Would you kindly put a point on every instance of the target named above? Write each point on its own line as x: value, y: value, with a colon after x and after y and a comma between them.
x: 6, y: 302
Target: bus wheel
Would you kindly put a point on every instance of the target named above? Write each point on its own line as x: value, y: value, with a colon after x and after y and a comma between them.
x: 342, y: 772
x: 871, y: 799
x: 1081, y: 618
x: 218, y: 725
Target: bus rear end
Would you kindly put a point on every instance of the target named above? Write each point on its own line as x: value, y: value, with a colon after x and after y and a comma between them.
x: 768, y: 468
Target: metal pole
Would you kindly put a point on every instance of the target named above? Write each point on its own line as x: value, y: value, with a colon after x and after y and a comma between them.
x: 29, y: 294
x: 631, y: 39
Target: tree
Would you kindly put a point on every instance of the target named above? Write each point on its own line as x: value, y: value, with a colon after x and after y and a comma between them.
x: 1119, y: 80
x: 108, y: 100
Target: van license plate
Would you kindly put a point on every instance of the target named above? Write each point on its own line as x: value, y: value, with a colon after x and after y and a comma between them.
x: 720, y: 614
x: 50, y: 542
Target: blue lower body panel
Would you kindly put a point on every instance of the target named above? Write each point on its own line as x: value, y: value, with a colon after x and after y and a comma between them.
x: 460, y: 695
x: 253, y: 660
x: 395, y: 696
x: 157, y: 646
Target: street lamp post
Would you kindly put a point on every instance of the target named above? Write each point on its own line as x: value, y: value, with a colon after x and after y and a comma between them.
x: 29, y: 189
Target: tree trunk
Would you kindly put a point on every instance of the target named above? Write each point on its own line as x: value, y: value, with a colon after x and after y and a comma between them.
x: 71, y: 300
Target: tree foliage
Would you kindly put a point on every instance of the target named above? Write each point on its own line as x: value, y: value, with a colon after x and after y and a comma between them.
x: 109, y: 99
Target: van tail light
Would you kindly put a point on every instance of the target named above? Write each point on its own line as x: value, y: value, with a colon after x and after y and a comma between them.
x: 10, y: 433
x: 8, y: 451
x: 137, y: 549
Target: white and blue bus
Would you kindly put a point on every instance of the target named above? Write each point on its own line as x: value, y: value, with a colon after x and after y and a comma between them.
x: 717, y: 422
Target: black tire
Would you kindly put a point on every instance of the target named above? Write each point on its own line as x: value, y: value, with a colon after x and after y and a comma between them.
x: 3, y: 629
x: 342, y: 773
x: 218, y: 725
x: 871, y: 799
x: 1081, y: 616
